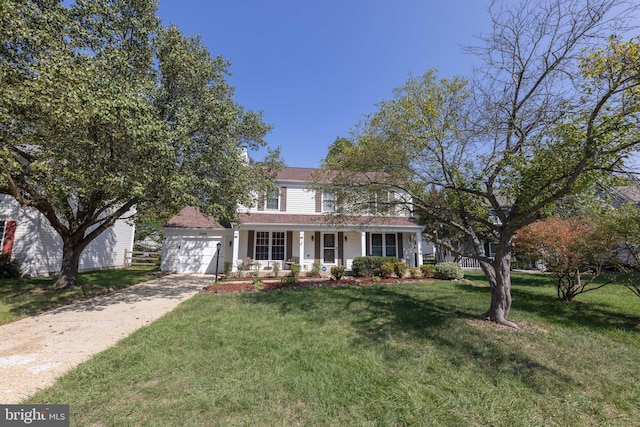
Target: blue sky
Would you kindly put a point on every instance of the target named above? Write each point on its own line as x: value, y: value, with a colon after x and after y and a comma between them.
x: 316, y: 68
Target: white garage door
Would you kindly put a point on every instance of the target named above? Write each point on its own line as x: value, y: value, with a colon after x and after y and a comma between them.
x: 198, y: 255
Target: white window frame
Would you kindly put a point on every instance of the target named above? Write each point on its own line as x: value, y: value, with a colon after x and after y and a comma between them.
x: 384, y: 245
x: 271, y: 199
x: 329, y: 201
x: 270, y: 236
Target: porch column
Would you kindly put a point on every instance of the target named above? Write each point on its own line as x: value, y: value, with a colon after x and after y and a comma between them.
x: 235, y: 249
x: 363, y: 243
x: 419, y: 249
x: 302, y: 255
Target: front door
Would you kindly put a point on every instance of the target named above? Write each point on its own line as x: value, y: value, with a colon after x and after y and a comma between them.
x: 329, y: 248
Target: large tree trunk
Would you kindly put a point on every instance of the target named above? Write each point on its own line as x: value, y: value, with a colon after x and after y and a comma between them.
x: 499, y: 276
x: 71, y: 252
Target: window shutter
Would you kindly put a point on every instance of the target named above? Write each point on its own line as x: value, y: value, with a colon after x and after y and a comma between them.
x: 341, y: 248
x: 261, y: 197
x: 368, y: 243
x: 252, y: 235
x: 9, y: 235
x: 318, y: 201
x: 290, y: 245
x: 400, y: 246
x: 318, y: 257
x: 283, y: 199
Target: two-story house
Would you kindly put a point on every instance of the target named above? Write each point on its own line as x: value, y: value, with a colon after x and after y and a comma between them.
x: 288, y: 226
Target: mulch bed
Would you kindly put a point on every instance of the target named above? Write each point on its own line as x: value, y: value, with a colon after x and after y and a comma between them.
x: 271, y: 284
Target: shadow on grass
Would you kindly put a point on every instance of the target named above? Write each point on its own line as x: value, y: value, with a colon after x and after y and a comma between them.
x: 590, y: 315
x: 401, y: 320
x: 97, y: 290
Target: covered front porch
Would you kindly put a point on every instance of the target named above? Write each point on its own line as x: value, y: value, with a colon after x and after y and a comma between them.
x: 262, y: 247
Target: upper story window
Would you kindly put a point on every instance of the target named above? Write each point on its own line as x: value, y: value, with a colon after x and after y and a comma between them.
x: 380, y: 202
x: 328, y: 202
x: 273, y: 200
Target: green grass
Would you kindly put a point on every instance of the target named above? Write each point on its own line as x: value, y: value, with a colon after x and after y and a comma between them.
x: 397, y: 355
x: 25, y: 297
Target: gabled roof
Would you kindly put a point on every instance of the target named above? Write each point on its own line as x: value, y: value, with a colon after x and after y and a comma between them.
x: 191, y: 217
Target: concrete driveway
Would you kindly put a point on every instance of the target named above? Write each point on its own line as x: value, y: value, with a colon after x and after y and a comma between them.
x: 35, y: 351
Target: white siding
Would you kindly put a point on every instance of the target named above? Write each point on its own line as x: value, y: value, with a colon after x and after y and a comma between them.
x: 194, y: 251
x: 38, y: 247
x: 352, y: 248
x: 300, y: 201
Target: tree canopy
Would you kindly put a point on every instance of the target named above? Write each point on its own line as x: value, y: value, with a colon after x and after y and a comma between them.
x: 554, y: 105
x: 102, y: 109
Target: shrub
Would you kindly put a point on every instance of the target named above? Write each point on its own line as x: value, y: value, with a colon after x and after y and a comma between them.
x: 368, y: 266
x: 375, y: 278
x: 288, y: 280
x: 8, y: 269
x: 228, y: 267
x: 276, y: 268
x: 295, y: 270
x: 415, y: 273
x: 257, y: 284
x: 386, y: 269
x: 315, y: 270
x: 337, y: 272
x: 400, y: 268
x: 428, y: 270
x: 448, y: 271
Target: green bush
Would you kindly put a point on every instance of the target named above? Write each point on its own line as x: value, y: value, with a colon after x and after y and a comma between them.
x: 386, y: 269
x: 315, y: 270
x: 369, y: 266
x: 288, y: 280
x: 337, y: 272
x: 228, y: 267
x: 448, y: 271
x: 295, y: 270
x: 400, y: 268
x: 428, y: 270
x: 415, y: 273
x: 276, y: 268
x: 8, y: 269
x: 257, y: 284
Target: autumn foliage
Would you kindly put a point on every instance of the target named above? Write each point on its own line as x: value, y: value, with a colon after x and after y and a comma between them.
x: 573, y: 249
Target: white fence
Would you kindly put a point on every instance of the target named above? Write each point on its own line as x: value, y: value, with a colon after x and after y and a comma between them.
x: 470, y: 264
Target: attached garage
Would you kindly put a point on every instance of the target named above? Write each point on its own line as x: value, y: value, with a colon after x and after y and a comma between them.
x: 198, y: 255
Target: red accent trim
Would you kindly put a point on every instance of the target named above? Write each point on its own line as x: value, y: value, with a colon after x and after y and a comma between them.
x: 9, y: 234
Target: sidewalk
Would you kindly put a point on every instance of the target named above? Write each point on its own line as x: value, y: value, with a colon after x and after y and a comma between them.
x: 35, y: 351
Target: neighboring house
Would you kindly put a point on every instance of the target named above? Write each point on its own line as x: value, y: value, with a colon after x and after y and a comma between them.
x: 27, y: 236
x: 288, y: 226
x: 626, y: 195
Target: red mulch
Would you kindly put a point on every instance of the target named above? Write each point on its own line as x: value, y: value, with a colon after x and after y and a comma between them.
x: 270, y: 284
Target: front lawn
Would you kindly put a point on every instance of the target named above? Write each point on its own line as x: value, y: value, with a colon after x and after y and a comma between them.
x: 388, y: 355
x: 28, y: 296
